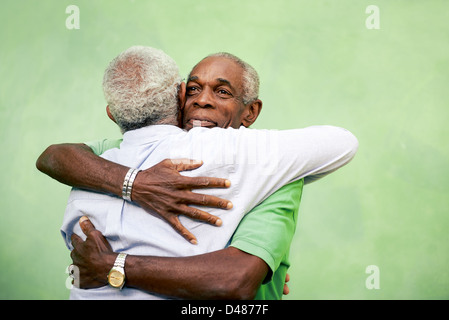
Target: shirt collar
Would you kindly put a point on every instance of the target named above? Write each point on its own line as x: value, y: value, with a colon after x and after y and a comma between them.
x: 150, y: 133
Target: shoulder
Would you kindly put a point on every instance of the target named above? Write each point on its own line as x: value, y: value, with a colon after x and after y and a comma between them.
x: 100, y: 146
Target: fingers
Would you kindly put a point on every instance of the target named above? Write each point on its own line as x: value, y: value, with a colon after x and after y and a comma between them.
x: 86, y: 225
x: 286, y: 289
x: 207, y: 201
x: 76, y: 240
x: 198, y: 182
x: 206, y: 182
x: 185, y: 164
x: 198, y: 214
x: 186, y: 234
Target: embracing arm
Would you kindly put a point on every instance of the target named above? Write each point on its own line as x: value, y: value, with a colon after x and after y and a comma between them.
x: 233, y: 273
x: 258, y: 248
x: 160, y: 188
x: 236, y: 275
x: 76, y: 165
x: 224, y: 274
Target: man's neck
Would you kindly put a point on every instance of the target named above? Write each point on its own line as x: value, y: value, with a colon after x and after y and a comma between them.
x: 168, y: 121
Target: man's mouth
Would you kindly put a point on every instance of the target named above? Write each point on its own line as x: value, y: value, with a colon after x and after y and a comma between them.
x: 201, y: 123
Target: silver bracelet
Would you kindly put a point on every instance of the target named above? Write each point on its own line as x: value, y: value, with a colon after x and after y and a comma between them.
x: 125, y: 182
x: 128, y: 183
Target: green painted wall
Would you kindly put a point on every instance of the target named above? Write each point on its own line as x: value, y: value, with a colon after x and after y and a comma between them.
x: 318, y: 63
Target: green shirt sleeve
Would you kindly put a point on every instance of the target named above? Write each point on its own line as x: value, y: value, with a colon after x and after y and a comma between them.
x: 268, y: 229
x: 100, y: 146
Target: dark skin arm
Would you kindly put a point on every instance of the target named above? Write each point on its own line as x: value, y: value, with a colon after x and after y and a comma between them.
x: 160, y: 188
x: 76, y: 165
x: 224, y: 274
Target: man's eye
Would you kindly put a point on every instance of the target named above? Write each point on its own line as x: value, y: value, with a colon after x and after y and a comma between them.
x: 224, y: 92
x: 191, y: 90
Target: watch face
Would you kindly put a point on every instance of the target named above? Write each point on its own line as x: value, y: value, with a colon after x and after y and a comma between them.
x: 116, y: 278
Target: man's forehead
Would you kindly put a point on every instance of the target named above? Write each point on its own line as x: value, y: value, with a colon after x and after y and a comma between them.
x: 219, y: 80
x: 219, y: 69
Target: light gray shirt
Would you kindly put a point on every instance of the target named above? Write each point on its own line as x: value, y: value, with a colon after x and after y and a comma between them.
x: 257, y: 162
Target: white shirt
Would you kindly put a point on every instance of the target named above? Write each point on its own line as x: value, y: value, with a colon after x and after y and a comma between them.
x: 257, y: 162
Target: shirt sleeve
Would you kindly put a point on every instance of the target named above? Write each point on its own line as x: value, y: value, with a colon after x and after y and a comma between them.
x: 287, y: 155
x: 268, y: 229
x: 100, y: 146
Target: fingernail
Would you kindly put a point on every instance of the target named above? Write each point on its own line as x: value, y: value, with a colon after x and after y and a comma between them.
x: 218, y: 222
x: 83, y: 218
x: 227, y: 183
x: 229, y: 206
x: 193, y: 241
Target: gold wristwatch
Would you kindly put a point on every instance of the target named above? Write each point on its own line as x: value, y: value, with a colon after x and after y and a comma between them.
x: 116, y: 276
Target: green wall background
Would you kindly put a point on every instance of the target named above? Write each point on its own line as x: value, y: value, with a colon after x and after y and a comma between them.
x: 318, y: 63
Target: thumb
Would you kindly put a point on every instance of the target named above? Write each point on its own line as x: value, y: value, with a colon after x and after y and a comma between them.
x: 86, y: 225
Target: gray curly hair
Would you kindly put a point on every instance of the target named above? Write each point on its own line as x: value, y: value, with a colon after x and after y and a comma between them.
x: 141, y: 88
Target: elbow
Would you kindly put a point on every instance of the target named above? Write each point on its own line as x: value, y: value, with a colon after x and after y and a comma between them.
x: 350, y: 143
x: 246, y: 294
x: 355, y: 142
x: 354, y: 145
x: 239, y: 286
x: 45, y: 159
x: 241, y: 293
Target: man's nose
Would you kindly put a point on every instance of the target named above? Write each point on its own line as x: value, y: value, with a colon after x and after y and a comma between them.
x: 205, y: 99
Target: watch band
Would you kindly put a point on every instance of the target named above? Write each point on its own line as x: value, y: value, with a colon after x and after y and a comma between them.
x: 120, y: 260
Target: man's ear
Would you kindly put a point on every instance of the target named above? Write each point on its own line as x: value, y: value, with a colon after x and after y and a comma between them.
x: 182, y: 95
x: 110, y: 114
x: 181, y: 102
x: 251, y: 113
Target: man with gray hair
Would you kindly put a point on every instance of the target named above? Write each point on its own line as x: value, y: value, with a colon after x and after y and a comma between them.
x: 250, y: 76
x: 141, y: 88
x: 130, y: 229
